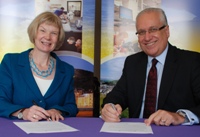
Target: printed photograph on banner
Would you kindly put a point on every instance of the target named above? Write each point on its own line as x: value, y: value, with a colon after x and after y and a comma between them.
x: 125, y: 42
x: 70, y: 13
x: 125, y: 12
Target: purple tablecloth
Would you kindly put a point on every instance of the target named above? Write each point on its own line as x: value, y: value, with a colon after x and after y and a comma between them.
x: 90, y: 127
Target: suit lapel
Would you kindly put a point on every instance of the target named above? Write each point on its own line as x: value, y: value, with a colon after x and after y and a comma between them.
x: 25, y: 70
x: 168, y: 75
x: 59, y: 76
x: 140, y: 74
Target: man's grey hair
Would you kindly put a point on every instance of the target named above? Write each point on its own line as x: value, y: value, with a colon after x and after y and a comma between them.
x: 163, y: 17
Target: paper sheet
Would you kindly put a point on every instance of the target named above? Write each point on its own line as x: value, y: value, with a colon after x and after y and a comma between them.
x: 44, y: 127
x: 126, y: 127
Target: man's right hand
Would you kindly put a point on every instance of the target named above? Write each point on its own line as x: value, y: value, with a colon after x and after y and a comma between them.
x: 111, y: 113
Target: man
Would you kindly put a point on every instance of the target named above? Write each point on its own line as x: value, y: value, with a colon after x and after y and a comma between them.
x: 178, y: 77
x: 59, y: 12
x: 78, y: 45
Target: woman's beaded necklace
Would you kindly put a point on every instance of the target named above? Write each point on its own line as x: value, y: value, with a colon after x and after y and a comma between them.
x: 42, y: 73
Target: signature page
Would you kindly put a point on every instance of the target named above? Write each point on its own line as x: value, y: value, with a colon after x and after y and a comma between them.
x: 44, y: 127
x: 126, y: 127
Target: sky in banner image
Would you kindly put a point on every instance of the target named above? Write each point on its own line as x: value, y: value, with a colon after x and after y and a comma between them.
x: 15, y: 16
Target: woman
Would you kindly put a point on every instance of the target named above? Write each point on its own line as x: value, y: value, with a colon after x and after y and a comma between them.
x: 35, y: 84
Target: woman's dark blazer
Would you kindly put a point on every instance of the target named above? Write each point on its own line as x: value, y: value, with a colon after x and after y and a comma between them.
x: 18, y: 87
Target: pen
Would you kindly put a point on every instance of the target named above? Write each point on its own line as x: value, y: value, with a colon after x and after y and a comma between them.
x: 34, y: 103
x: 113, y: 106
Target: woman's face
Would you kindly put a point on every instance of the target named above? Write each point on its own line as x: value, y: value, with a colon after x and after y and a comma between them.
x: 46, y: 37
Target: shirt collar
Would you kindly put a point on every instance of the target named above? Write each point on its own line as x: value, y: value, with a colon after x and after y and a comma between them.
x: 161, y: 58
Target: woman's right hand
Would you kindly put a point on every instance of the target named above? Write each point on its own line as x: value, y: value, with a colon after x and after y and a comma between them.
x: 35, y: 113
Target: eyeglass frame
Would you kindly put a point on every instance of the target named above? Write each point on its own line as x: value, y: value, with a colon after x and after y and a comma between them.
x: 151, y: 30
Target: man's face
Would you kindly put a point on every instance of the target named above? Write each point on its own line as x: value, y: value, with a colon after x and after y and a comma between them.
x: 152, y: 39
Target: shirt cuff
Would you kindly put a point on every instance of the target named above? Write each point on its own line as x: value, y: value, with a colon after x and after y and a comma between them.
x: 193, y: 119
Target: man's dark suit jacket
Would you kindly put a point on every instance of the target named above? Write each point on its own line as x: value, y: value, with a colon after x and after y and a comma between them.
x: 179, y: 88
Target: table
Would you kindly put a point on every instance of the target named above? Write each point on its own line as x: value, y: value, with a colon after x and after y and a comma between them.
x: 90, y: 127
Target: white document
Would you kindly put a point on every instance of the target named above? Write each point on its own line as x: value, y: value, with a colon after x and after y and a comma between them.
x: 126, y: 127
x: 44, y: 127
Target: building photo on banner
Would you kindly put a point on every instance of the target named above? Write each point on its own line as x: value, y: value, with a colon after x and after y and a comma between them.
x: 118, y: 38
x: 77, y: 18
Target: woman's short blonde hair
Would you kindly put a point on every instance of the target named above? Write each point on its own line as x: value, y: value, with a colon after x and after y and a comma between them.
x: 51, y: 19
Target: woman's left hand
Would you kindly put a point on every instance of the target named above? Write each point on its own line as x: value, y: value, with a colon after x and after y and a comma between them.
x: 55, y: 115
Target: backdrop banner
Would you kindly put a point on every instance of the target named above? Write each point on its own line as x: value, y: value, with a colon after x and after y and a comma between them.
x: 78, y: 48
x: 118, y: 39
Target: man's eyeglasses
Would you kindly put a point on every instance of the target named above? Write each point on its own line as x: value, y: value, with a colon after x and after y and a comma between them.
x: 151, y: 30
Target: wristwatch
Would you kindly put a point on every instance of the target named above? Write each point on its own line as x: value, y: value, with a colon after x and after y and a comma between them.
x: 20, y: 114
x: 184, y: 115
